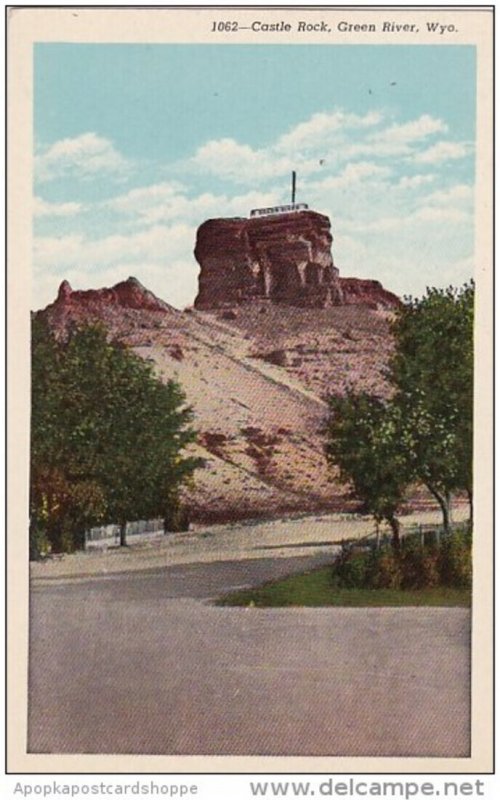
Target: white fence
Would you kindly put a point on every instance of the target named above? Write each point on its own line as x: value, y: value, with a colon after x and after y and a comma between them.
x: 425, y: 534
x: 111, y: 533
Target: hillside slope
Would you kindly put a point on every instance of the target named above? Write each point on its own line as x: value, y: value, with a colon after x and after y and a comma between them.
x: 256, y: 382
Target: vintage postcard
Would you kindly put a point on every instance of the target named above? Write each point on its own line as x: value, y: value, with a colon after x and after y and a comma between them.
x: 249, y: 331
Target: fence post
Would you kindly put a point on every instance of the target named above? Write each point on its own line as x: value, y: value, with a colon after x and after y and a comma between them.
x: 422, y: 540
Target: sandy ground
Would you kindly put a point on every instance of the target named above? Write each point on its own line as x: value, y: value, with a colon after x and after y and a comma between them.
x: 300, y: 536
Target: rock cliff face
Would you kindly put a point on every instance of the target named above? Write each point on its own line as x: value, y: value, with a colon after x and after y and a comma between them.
x: 286, y: 259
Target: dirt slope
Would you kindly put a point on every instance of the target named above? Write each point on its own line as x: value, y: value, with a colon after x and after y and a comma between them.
x: 257, y: 384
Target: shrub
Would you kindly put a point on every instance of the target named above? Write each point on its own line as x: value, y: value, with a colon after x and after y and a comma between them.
x: 71, y: 540
x: 385, y: 569
x: 455, y: 561
x: 351, y: 570
x: 415, y: 566
x: 39, y: 543
x: 420, y: 566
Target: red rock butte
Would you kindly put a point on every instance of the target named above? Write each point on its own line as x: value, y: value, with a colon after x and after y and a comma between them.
x: 283, y: 258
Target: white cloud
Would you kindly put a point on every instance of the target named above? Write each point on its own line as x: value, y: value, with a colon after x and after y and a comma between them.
x: 402, y: 223
x: 52, y: 251
x: 386, y: 209
x: 442, y: 151
x: 167, y: 202
x: 160, y: 256
x: 82, y: 156
x: 461, y: 194
x: 317, y: 131
x: 321, y: 143
x: 436, y: 215
x: 42, y: 208
x: 412, y: 131
x: 400, y: 228
x: 352, y: 175
x: 152, y: 243
x: 140, y: 199
x: 230, y: 160
x: 396, y: 140
x: 429, y: 247
x: 306, y: 147
x: 414, y: 181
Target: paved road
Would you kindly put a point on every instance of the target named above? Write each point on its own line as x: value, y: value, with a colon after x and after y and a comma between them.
x: 145, y: 663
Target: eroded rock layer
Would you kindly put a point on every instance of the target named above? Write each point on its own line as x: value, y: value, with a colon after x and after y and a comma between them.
x: 285, y: 259
x: 358, y: 291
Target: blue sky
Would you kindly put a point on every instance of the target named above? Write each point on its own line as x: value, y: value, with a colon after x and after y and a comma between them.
x: 136, y: 145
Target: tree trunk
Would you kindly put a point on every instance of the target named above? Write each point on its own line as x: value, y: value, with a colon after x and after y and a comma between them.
x: 123, y: 534
x: 444, y: 501
x: 395, y: 528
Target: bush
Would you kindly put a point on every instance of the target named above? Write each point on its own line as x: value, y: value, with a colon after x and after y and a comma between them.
x: 359, y: 569
x: 350, y: 572
x: 455, y: 561
x: 40, y: 546
x: 415, y: 566
x: 385, y: 569
x: 420, y: 566
x: 71, y: 540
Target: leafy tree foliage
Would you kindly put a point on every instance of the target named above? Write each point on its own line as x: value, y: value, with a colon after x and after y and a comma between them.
x: 432, y: 374
x: 364, y: 440
x: 424, y: 432
x: 107, y: 436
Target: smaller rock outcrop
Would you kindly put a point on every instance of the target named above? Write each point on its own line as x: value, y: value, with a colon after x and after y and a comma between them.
x: 359, y: 291
x: 107, y: 305
x: 127, y: 294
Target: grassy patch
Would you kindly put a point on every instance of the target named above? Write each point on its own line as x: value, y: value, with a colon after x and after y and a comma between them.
x: 316, y: 589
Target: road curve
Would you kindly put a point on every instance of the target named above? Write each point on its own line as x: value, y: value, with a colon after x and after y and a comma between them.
x: 144, y: 663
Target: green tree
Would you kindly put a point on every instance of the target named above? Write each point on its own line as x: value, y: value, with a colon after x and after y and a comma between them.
x: 432, y: 376
x: 109, y: 428
x: 64, y: 498
x: 424, y: 432
x: 365, y: 443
